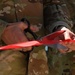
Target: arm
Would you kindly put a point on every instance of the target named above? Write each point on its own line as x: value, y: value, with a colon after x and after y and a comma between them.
x: 14, y: 33
x: 55, y: 17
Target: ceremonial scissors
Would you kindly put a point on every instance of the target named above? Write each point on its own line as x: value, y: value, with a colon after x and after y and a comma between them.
x: 47, y: 40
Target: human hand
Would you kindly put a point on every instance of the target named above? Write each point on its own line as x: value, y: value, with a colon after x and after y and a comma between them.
x: 67, y: 35
x: 14, y: 33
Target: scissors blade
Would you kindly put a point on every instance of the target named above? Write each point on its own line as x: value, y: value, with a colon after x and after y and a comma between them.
x: 53, y: 35
x: 57, y: 46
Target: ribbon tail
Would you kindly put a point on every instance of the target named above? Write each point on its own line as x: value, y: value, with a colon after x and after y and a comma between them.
x: 21, y: 45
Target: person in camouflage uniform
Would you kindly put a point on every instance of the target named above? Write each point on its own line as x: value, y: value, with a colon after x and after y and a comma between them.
x: 57, y: 17
x: 15, y: 62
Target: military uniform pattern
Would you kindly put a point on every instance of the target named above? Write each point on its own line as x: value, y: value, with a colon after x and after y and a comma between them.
x: 14, y: 62
x: 61, y: 64
x: 40, y: 62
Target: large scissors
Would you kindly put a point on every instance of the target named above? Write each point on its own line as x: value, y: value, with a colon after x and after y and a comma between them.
x: 47, y: 40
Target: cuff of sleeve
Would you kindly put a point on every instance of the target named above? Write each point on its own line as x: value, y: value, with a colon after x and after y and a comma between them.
x: 58, y: 23
x: 3, y: 25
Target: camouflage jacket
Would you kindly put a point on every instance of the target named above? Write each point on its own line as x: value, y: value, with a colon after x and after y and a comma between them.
x: 16, y: 63
x: 58, y: 14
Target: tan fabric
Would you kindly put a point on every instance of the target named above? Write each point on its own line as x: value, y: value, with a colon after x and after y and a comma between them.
x: 16, y: 63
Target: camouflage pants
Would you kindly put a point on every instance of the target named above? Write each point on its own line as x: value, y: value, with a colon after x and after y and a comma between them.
x: 16, y: 63
x: 12, y: 63
x: 61, y: 64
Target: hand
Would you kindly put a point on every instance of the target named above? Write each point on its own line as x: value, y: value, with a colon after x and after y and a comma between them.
x: 14, y: 33
x: 67, y: 35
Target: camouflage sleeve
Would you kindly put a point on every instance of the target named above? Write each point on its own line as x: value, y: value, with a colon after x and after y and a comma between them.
x: 3, y: 24
x: 56, y: 15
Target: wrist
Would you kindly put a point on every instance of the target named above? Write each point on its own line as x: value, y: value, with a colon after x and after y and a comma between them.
x: 58, y: 28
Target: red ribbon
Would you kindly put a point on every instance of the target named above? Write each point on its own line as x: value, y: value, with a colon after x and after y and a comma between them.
x: 46, y: 40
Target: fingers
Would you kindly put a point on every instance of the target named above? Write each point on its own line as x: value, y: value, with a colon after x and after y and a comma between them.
x: 69, y: 45
x: 72, y: 36
x: 62, y: 51
x: 66, y: 35
x: 69, y: 50
x: 65, y: 51
x: 24, y: 26
x: 27, y: 49
x: 72, y: 33
x: 13, y: 35
x: 23, y: 49
x: 35, y: 28
x: 20, y: 25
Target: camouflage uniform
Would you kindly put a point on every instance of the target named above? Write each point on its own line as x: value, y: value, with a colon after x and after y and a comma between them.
x: 15, y: 62
x: 56, y: 14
